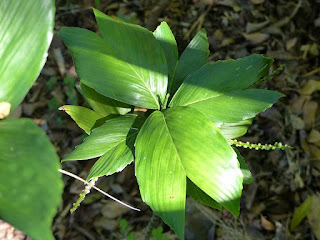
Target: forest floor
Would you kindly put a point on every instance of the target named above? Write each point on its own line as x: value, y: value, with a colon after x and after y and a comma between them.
x: 288, y: 32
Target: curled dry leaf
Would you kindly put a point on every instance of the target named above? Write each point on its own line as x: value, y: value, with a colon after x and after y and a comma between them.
x: 4, y: 109
x: 310, y: 87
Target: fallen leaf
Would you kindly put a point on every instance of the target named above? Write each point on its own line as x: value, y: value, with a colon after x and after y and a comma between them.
x: 266, y: 224
x: 4, y: 109
x: 256, y: 38
x: 314, y: 136
x: 309, y: 113
x: 113, y: 210
x: 257, y: 1
x: 310, y: 87
x: 300, y: 213
x: 291, y: 43
x: 314, y: 216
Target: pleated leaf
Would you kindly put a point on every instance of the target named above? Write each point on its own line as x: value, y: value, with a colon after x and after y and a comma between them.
x: 216, y: 90
x: 103, y: 138
x: 140, y: 50
x: 101, y: 104
x: 84, y: 117
x: 168, y: 43
x: 102, y: 68
x: 207, y: 158
x: 116, y: 158
x: 199, y: 195
x: 160, y: 175
x: 26, y: 29
x: 30, y: 184
x: 236, y: 106
x: 193, y: 57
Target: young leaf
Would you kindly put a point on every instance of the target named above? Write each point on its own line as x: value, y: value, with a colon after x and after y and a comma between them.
x: 235, y: 130
x: 26, y: 30
x: 30, y: 184
x: 101, y: 104
x: 206, y: 156
x: 104, y: 138
x: 161, y: 178
x: 168, y: 43
x: 193, y: 57
x: 199, y: 195
x: 247, y: 176
x: 84, y: 117
x: 100, y: 67
x: 139, y: 49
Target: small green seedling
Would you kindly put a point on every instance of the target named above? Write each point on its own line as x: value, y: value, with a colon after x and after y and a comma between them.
x: 176, y: 118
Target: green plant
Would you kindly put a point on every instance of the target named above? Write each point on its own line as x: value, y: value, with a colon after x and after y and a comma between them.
x: 30, y: 184
x: 172, y: 116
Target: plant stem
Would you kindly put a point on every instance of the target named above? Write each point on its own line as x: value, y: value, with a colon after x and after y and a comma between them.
x: 153, y: 221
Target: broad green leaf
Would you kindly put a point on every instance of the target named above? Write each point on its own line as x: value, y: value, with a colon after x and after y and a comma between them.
x: 220, y: 78
x: 247, y: 176
x: 140, y: 50
x: 26, y: 29
x: 206, y: 156
x: 30, y: 184
x: 160, y: 175
x: 101, y: 104
x: 199, y: 195
x: 118, y: 157
x: 100, y: 67
x: 103, y: 138
x: 300, y: 213
x: 236, y: 106
x: 168, y: 43
x: 235, y: 130
x: 84, y: 117
x: 193, y: 57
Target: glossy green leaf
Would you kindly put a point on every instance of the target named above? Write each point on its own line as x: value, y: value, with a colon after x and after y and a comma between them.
x: 236, y: 106
x: 100, y: 67
x: 30, y: 184
x: 160, y: 175
x: 220, y: 78
x: 118, y: 157
x: 199, y: 195
x: 101, y: 104
x: 84, y: 117
x: 193, y: 57
x: 247, y: 176
x: 26, y: 29
x: 235, y: 130
x: 168, y: 43
x: 206, y: 156
x: 103, y: 138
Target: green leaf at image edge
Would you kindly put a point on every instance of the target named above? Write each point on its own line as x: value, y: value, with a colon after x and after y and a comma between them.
x: 30, y: 184
x: 26, y: 30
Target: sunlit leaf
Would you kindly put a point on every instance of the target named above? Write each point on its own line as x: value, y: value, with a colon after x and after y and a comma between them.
x: 26, y: 30
x: 168, y: 43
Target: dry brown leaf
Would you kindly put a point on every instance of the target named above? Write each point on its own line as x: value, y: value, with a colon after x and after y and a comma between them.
x: 4, y: 109
x: 309, y: 113
x: 314, y: 136
x: 266, y: 224
x: 253, y: 27
x: 310, y: 87
x: 296, y: 122
x: 256, y: 38
x: 113, y: 210
x: 291, y: 43
x: 314, y: 216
